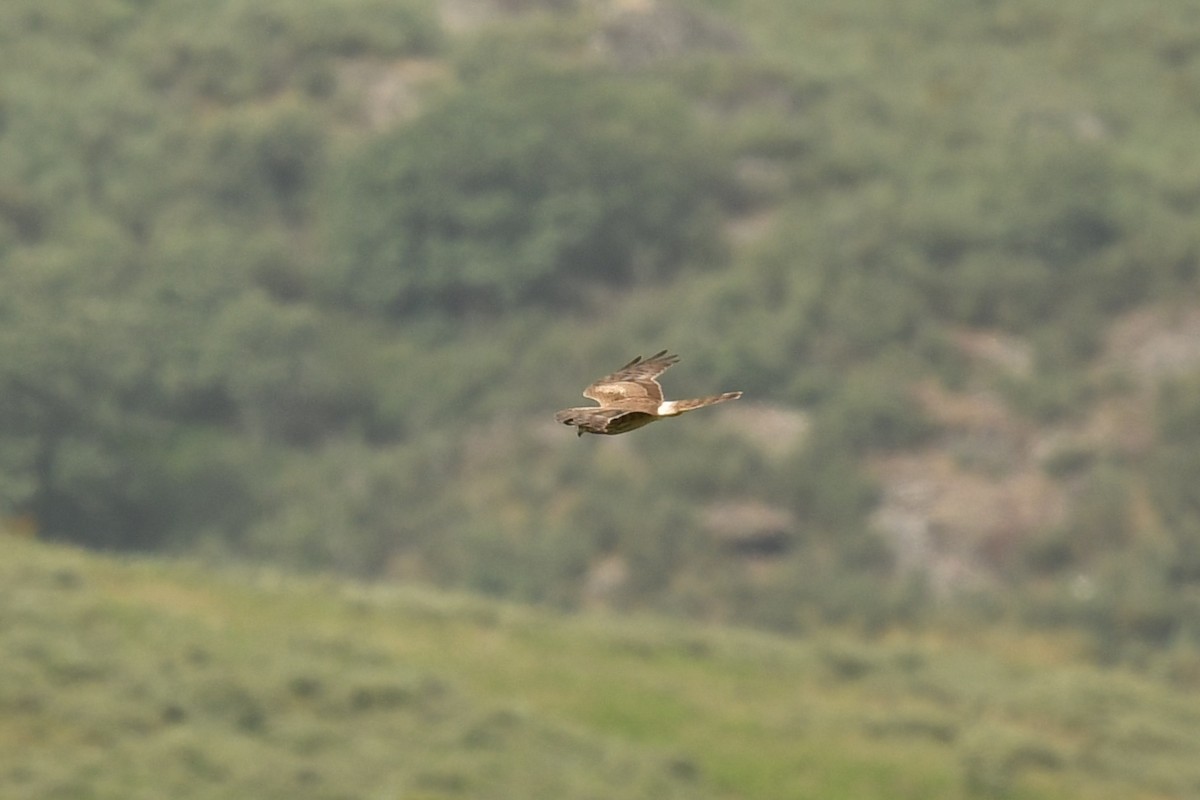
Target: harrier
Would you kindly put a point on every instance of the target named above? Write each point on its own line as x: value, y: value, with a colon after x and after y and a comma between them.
x: 631, y: 398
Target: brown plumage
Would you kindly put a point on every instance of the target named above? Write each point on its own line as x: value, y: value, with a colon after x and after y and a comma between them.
x: 631, y: 397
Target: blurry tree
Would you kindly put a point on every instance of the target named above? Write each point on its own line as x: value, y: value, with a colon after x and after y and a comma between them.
x: 1173, y: 477
x: 232, y: 51
x: 526, y: 187
x: 78, y: 405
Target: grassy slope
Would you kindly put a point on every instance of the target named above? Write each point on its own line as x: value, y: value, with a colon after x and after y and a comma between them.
x: 152, y: 679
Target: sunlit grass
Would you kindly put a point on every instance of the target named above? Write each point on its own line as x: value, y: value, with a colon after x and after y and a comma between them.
x: 152, y: 677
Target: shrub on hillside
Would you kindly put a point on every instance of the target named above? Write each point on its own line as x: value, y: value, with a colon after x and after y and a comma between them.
x: 524, y: 188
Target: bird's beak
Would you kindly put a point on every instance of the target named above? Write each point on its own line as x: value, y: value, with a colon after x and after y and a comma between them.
x: 578, y: 432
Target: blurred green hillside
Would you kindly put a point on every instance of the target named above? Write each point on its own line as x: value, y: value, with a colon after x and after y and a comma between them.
x: 303, y: 281
x: 147, y: 679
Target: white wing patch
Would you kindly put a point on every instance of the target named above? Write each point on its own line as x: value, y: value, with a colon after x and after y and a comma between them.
x: 667, y: 408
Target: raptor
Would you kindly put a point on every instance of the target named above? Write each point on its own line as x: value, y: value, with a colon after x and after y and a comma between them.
x: 631, y: 398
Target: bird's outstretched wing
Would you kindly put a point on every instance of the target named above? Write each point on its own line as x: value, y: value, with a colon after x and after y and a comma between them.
x: 633, y: 386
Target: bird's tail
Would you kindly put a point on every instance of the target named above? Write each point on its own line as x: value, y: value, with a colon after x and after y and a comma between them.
x: 680, y: 406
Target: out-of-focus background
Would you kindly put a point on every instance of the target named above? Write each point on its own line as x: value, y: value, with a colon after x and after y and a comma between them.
x: 291, y: 289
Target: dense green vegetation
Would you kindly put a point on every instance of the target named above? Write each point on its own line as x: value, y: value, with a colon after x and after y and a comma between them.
x: 304, y: 281
x: 143, y: 679
x: 596, y: 183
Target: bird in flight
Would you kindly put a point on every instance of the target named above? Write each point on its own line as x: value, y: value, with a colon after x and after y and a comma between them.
x: 631, y: 397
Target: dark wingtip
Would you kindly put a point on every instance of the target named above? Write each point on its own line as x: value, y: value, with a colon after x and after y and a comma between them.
x: 656, y: 356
